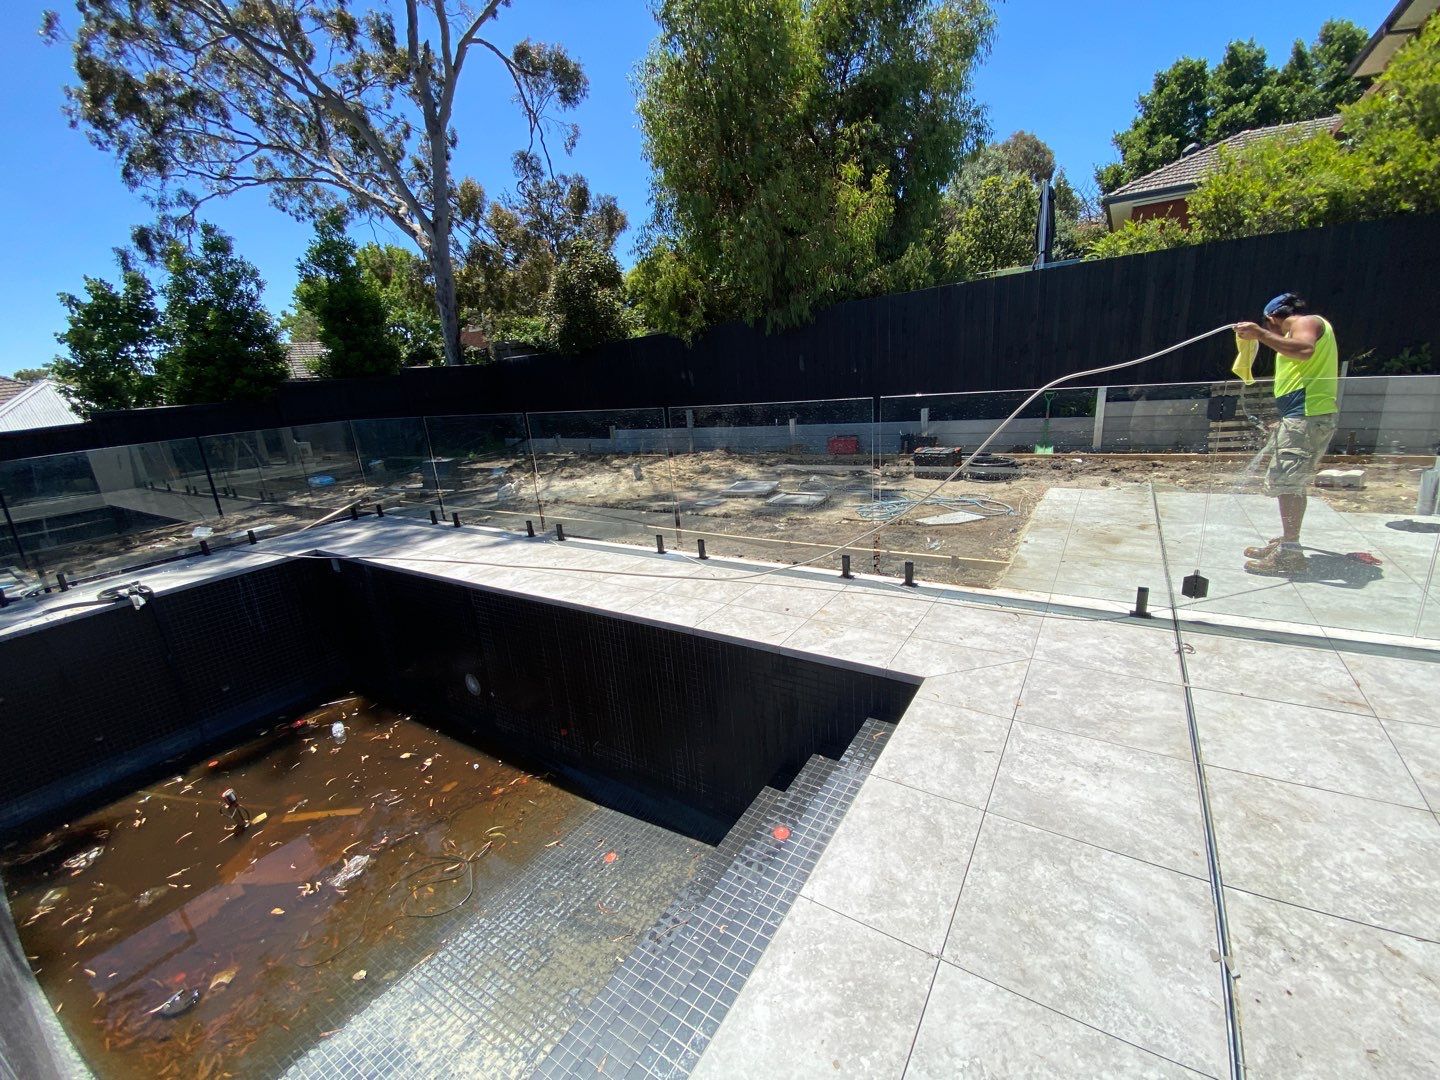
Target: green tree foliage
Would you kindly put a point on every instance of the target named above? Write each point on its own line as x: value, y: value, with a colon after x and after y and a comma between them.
x: 403, y: 281
x: 585, y: 303
x: 318, y: 101
x: 995, y: 229
x: 799, y: 149
x: 110, y: 343
x: 1137, y: 237
x: 1190, y: 102
x: 34, y: 374
x: 353, y: 322
x: 298, y: 323
x: 508, y: 268
x: 217, y: 341
x: 992, y: 206
x: 1386, y: 162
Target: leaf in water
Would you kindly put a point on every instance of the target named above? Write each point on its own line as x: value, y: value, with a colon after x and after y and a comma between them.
x: 223, y: 978
x: 359, y: 975
x: 277, y: 911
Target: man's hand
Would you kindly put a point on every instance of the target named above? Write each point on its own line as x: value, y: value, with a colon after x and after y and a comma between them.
x: 1249, y: 331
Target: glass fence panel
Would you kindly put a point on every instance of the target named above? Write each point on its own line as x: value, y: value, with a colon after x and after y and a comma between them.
x: 94, y: 511
x: 483, y: 468
x: 962, y: 518
x: 778, y: 482
x: 603, y: 474
x: 1363, y: 516
x: 398, y: 468
x: 276, y: 480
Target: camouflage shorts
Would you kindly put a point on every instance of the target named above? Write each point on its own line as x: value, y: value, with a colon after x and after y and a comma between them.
x: 1296, y: 446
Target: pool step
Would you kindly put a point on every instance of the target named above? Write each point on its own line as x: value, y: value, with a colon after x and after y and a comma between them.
x: 660, y: 1010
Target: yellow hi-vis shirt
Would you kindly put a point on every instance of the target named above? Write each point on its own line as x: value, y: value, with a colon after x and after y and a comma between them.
x: 1307, y: 387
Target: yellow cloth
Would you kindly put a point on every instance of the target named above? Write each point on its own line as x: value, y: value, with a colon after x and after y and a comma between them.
x: 1245, y: 352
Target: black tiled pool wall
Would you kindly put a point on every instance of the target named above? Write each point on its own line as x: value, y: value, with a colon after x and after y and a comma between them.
x: 674, y: 726
x: 677, y: 726
x: 92, y: 705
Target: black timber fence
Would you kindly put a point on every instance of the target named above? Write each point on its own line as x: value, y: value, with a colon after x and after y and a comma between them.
x: 1378, y: 282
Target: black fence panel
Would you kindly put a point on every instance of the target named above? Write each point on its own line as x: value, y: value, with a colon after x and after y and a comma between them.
x: 1374, y: 280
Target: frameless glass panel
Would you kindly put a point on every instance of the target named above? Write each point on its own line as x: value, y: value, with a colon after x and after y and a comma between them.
x: 779, y: 482
x: 1361, y: 515
x: 397, y: 464
x: 276, y: 480
x: 603, y: 474
x: 999, y: 519
x: 484, y: 469
x: 98, y: 511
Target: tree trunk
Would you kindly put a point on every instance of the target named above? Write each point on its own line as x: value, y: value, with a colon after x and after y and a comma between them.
x: 443, y: 268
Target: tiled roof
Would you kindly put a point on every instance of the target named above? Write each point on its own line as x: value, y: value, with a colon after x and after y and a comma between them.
x: 300, y: 355
x: 10, y: 387
x: 1191, y: 170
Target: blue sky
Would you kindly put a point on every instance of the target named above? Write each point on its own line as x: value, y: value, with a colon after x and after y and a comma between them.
x: 1067, y: 71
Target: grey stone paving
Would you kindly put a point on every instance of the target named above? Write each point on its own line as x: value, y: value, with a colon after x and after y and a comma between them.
x: 1021, y: 888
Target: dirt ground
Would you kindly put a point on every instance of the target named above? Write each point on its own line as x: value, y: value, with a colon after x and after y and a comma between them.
x: 625, y: 496
x: 632, y: 497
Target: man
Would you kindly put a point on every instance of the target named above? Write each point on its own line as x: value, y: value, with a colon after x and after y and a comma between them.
x: 1307, y: 371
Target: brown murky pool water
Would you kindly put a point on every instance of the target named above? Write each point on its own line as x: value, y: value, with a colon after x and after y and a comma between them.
x: 173, y: 943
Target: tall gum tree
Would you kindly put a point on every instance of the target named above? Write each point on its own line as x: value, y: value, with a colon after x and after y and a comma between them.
x: 319, y: 101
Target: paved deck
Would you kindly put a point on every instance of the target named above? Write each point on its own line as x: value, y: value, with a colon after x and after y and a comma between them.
x: 1102, y: 543
x: 1021, y: 887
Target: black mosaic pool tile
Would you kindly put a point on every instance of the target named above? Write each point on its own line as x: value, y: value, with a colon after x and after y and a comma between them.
x: 108, y: 697
x: 657, y: 1014
x: 687, y: 729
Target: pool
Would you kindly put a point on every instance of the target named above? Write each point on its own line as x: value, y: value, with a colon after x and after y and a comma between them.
x: 535, y: 820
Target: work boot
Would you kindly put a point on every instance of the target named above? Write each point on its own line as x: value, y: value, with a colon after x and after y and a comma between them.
x: 1266, y: 549
x: 1282, y: 560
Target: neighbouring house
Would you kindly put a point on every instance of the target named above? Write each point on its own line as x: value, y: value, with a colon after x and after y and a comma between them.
x: 1402, y: 24
x: 1166, y: 191
x: 301, y: 356
x: 33, y: 405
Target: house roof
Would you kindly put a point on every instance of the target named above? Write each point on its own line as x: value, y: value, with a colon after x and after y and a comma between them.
x: 300, y: 355
x: 1184, y: 174
x: 34, y: 405
x: 1402, y: 24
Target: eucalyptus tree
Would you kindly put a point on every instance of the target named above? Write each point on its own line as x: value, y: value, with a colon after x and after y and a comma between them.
x: 320, y: 102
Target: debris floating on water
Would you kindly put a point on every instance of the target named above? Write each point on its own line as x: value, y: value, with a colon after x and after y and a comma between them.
x: 179, y: 1003
x: 353, y: 868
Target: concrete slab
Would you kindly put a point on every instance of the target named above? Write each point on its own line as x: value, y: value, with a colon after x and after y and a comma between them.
x: 1343, y: 752
x: 1129, y: 801
x: 976, y: 1030
x: 1141, y: 713
x: 873, y: 646
x: 798, y: 500
x: 1398, y: 688
x: 897, y: 861
x: 1305, y: 675
x: 1074, y: 928
x: 1132, y: 647
x: 890, y: 612
x: 751, y: 488
x: 1419, y: 747
x: 829, y: 998
x: 992, y: 629
x: 1329, y: 999
x: 1369, y: 861
x: 946, y: 750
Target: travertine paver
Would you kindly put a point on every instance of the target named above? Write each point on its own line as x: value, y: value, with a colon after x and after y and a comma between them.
x: 1041, y: 788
